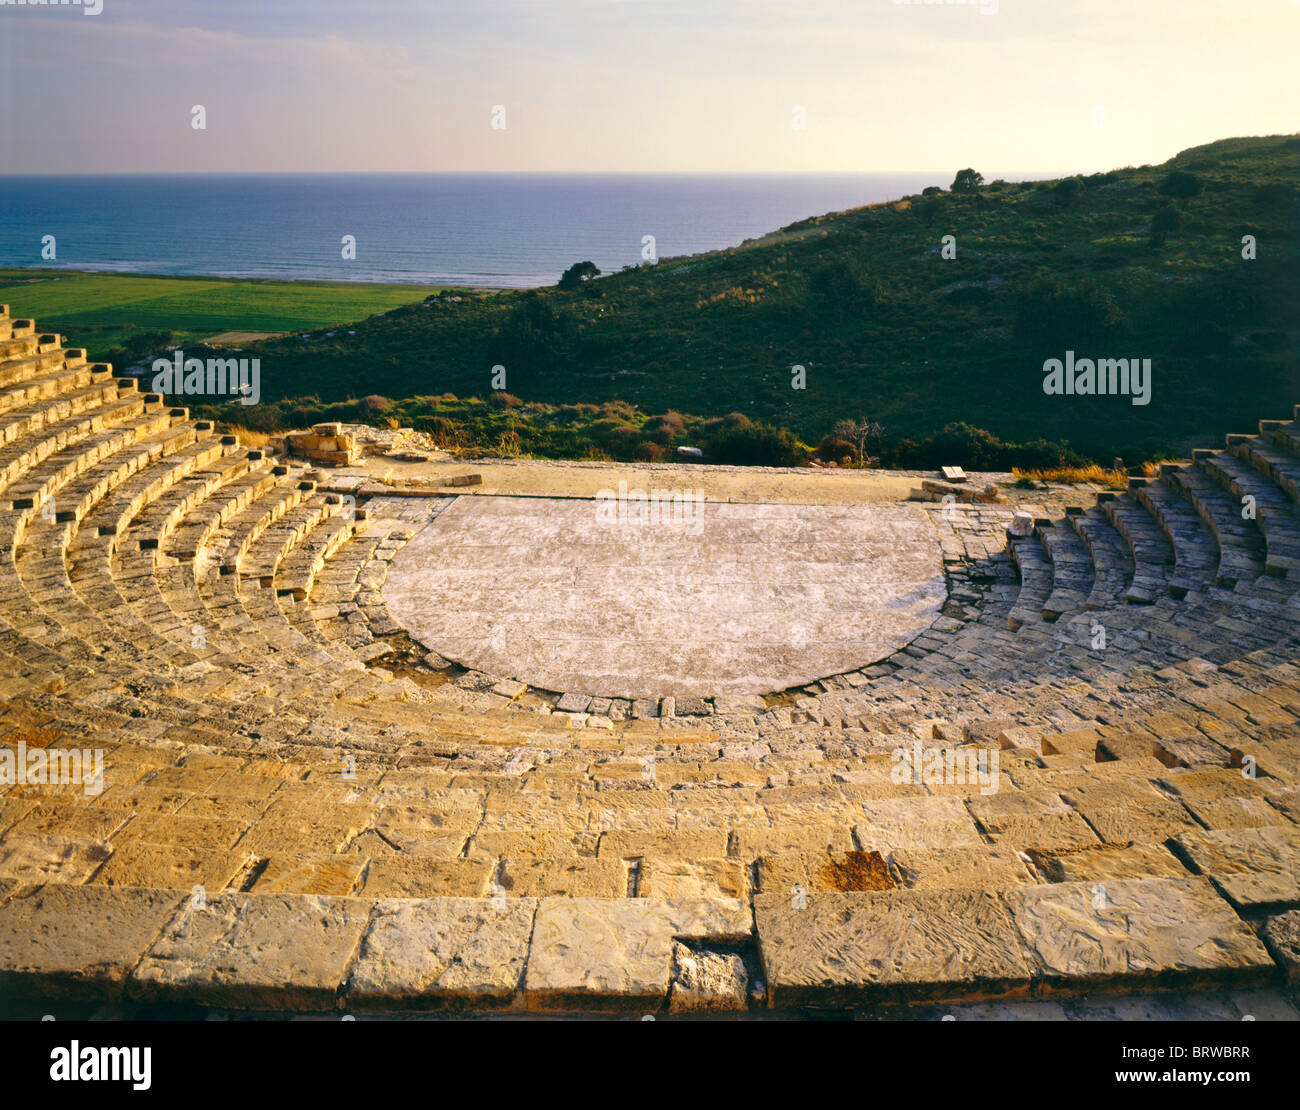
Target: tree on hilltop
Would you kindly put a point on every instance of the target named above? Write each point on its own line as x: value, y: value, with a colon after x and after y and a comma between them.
x: 577, y: 274
x: 967, y: 181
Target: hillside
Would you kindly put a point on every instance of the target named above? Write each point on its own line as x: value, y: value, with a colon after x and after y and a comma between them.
x: 889, y: 329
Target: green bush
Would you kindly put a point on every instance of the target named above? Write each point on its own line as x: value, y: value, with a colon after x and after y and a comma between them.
x: 1167, y: 219
x: 1056, y: 314
x: 755, y: 445
x: 1181, y: 184
x: 833, y: 448
x: 1067, y: 191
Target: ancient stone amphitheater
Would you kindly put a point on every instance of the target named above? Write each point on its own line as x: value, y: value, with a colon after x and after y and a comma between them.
x: 304, y: 809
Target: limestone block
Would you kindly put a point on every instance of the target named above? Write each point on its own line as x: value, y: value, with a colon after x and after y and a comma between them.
x: 1253, y: 867
x: 442, y: 953
x: 1282, y: 935
x: 46, y: 948
x: 617, y: 954
x: 53, y: 859
x: 1082, y: 935
x: 851, y: 949
x: 920, y: 821
x: 255, y: 951
x: 707, y: 982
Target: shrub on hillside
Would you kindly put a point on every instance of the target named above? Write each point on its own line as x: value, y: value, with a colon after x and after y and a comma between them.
x: 833, y: 448
x: 664, y: 429
x: 1067, y: 191
x: 839, y: 288
x: 1052, y: 313
x: 650, y: 452
x: 1181, y: 184
x: 1167, y: 219
x: 930, y: 208
x: 755, y: 445
x: 502, y: 400
x: 1274, y: 195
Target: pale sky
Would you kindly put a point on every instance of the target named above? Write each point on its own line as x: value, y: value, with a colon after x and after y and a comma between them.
x: 638, y: 85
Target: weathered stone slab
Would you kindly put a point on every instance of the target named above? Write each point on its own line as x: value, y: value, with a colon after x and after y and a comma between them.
x: 707, y: 982
x: 52, y: 859
x: 1282, y: 935
x: 782, y: 872
x: 1141, y: 932
x: 1253, y: 867
x: 78, y: 941
x: 574, y: 877
x: 617, y: 954
x: 1024, y: 819
x: 1109, y: 861
x: 905, y: 945
x: 923, y: 821
x: 334, y: 875
x: 137, y: 863
x: 442, y: 953
x: 983, y: 868
x: 692, y: 878
x: 255, y: 951
x: 403, y: 876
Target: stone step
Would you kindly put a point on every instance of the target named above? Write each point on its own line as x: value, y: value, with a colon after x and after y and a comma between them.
x: 1072, y: 573
x: 1035, y: 581
x: 1112, y: 561
x: 1196, y: 551
x: 1153, y: 556
x: 71, y: 375
x: 1272, y: 509
x: 1275, y: 463
x: 1241, y: 544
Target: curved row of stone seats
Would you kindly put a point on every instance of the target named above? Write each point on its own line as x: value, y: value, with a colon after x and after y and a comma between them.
x: 1269, y: 453
x: 1112, y: 562
x: 275, y: 770
x: 1241, y: 544
x: 1196, y: 550
x: 1035, y: 581
x: 1271, y: 508
x: 1153, y: 555
x: 1072, y: 574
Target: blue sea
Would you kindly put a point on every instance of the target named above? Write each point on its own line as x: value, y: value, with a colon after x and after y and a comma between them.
x: 496, y: 230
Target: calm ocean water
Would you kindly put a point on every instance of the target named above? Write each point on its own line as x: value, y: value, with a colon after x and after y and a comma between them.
x: 465, y: 229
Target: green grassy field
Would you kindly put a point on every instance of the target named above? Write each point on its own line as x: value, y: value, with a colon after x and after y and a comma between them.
x: 102, y: 311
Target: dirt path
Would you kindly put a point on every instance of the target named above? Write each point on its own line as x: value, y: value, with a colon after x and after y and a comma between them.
x: 757, y: 485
